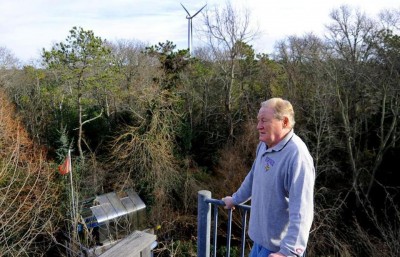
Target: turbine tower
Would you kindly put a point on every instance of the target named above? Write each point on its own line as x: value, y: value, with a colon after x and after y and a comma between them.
x: 190, y: 27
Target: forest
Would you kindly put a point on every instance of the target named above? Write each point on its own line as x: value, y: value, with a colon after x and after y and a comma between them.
x: 167, y: 124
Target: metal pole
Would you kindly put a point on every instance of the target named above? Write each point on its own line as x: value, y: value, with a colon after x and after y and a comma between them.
x: 189, y: 32
x: 203, y: 224
x: 244, y: 225
x: 73, y: 211
x: 215, y: 230
x: 191, y: 37
x: 72, y: 185
x: 229, y: 234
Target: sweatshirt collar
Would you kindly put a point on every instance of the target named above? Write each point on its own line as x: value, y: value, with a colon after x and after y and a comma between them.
x: 278, y: 147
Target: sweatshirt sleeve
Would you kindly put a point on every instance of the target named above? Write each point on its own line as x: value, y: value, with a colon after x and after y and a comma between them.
x: 300, y: 185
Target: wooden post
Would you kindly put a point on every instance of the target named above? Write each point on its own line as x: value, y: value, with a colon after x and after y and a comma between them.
x: 203, y: 224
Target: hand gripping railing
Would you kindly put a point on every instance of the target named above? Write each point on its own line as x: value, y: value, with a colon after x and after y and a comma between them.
x: 204, y: 225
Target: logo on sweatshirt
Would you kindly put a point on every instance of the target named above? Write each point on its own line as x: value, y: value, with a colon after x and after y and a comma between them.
x: 268, y: 163
x: 299, y: 250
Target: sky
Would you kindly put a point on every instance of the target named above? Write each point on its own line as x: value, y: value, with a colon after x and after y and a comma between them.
x: 28, y: 26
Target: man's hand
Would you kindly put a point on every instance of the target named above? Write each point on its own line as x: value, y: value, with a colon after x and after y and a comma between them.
x: 228, y: 202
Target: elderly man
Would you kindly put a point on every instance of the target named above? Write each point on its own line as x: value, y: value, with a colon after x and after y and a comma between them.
x: 280, y: 185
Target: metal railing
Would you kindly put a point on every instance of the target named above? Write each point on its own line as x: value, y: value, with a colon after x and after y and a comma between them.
x: 206, y: 206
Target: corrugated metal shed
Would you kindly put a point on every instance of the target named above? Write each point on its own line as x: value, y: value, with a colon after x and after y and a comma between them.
x: 109, y: 221
x: 110, y: 206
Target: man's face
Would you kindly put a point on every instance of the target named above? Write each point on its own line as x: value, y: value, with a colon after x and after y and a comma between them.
x: 270, y: 129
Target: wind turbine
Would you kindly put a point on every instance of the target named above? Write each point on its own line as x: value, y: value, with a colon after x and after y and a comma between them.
x: 190, y: 27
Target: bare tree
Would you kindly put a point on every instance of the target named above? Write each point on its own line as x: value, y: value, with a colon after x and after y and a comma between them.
x: 8, y: 65
x: 390, y: 19
x: 365, y: 76
x: 349, y: 37
x: 7, y: 59
x: 304, y: 60
x: 385, y: 94
x: 135, y: 71
x: 227, y: 30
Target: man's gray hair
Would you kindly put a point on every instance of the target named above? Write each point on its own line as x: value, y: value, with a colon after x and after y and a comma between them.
x: 281, y: 109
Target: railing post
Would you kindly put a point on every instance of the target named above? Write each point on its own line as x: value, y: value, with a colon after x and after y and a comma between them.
x: 203, y: 224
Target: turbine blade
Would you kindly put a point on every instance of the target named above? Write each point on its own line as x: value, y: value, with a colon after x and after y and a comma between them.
x: 185, y: 10
x: 199, y: 11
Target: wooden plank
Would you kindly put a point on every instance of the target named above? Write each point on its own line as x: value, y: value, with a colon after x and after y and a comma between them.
x: 132, y: 246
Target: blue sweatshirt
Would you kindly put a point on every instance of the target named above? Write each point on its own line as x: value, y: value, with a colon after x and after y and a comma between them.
x: 281, y: 187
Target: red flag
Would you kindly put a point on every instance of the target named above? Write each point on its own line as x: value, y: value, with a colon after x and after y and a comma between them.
x: 66, y: 166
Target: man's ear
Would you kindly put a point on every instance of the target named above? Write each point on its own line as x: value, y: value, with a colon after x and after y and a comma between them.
x: 285, y: 122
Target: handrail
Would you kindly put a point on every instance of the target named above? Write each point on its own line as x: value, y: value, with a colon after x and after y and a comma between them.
x: 204, y: 224
x: 222, y: 203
